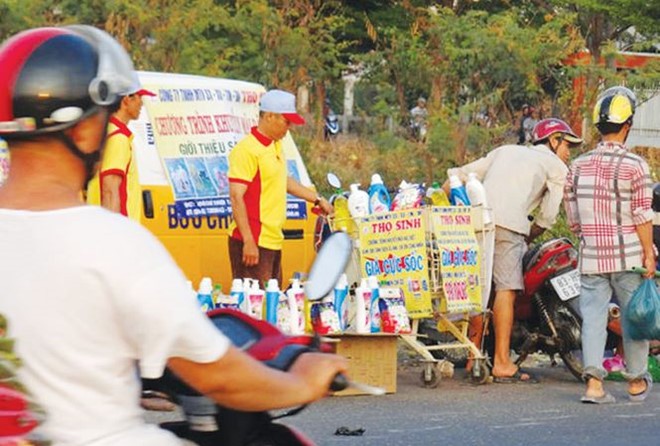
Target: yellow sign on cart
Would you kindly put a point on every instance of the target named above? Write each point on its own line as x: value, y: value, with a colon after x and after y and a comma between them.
x: 393, y: 248
x: 460, y: 263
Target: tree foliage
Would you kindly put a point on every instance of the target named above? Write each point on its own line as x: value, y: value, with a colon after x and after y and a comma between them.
x: 476, y: 61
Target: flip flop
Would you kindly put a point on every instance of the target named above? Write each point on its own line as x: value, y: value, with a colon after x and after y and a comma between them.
x: 639, y: 397
x: 607, y: 398
x: 516, y: 378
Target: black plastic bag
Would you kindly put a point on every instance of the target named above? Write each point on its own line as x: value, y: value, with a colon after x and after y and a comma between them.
x: 643, y: 312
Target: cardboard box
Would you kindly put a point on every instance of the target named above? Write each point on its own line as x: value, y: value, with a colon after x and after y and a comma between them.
x: 372, y: 360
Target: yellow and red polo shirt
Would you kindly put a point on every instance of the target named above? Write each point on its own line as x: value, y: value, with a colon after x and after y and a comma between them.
x: 259, y: 163
x: 118, y: 159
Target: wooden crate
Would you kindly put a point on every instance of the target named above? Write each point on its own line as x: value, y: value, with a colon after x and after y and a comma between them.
x: 372, y: 360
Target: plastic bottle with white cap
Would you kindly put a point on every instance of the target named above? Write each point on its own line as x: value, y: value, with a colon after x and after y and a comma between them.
x: 204, y: 294
x: 477, y: 195
x: 379, y: 197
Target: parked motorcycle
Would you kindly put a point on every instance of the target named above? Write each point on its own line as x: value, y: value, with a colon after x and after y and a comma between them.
x: 546, y: 316
x: 331, y: 123
x: 209, y: 424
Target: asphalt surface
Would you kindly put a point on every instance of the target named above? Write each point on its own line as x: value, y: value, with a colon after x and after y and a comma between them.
x: 459, y: 412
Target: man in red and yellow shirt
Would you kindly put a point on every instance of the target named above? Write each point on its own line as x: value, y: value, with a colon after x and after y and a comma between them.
x: 258, y: 186
x: 116, y: 186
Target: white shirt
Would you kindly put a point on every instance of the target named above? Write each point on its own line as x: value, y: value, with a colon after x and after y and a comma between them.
x: 518, y: 179
x: 88, y: 295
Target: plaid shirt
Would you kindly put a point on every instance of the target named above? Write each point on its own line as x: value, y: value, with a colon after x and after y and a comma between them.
x: 606, y: 195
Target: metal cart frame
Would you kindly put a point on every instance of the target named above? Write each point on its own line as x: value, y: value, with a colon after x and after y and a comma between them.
x: 454, y: 323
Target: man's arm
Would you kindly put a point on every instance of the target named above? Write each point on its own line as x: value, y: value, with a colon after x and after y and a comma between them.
x: 239, y: 209
x: 641, y: 201
x: 645, y: 234
x: 241, y: 382
x: 110, y: 192
x: 296, y: 189
x: 551, y: 201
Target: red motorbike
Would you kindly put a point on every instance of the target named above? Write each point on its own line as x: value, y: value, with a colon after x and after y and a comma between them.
x: 209, y: 424
x: 546, y: 316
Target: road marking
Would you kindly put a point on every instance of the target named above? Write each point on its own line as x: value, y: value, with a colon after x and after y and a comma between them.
x: 507, y: 426
x: 636, y: 415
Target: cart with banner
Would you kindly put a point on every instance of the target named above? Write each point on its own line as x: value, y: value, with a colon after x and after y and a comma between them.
x: 441, y: 258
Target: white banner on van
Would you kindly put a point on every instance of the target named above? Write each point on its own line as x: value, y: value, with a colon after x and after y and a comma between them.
x: 194, y: 129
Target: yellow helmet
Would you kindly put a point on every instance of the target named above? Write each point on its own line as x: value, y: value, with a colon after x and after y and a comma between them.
x: 615, y: 105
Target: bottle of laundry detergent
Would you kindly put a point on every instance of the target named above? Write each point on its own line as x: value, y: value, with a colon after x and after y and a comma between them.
x: 358, y: 202
x: 272, y: 301
x: 255, y: 298
x: 296, y: 302
x: 379, y: 197
x: 437, y: 195
x: 341, y: 291
x: 342, y: 218
x: 477, y: 195
x: 204, y: 294
x: 237, y: 294
x: 374, y: 309
x: 362, y: 307
x: 458, y: 195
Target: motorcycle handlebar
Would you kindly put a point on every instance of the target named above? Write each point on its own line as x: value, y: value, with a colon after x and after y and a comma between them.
x: 340, y: 382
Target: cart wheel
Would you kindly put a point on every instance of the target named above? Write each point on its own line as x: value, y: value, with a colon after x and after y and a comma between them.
x: 430, y: 377
x: 480, y: 372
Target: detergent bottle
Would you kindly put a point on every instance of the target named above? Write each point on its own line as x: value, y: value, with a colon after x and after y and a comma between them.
x: 343, y: 220
x: 255, y: 299
x: 204, y: 294
x: 272, y: 301
x: 362, y: 307
x: 296, y: 302
x: 341, y: 291
x: 437, y: 195
x: 374, y: 309
x: 358, y: 202
x: 217, y: 295
x: 457, y: 195
x: 477, y: 195
x: 379, y: 198
x: 236, y: 293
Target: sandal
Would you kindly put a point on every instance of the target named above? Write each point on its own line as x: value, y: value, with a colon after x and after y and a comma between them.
x: 516, y: 378
x: 639, y: 397
x: 607, y: 398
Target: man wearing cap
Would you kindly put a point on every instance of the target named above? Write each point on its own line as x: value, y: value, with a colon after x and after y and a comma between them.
x: 116, y: 186
x: 518, y: 179
x: 258, y: 186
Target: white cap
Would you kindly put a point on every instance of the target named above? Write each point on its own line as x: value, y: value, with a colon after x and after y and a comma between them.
x: 282, y: 102
x: 237, y: 285
x: 355, y: 187
x: 272, y: 285
x: 376, y: 179
x: 205, y: 286
x: 455, y: 181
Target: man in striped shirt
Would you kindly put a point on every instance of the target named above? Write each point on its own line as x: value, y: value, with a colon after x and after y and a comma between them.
x: 608, y: 204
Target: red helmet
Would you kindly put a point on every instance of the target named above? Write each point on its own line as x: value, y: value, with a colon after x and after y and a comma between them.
x: 51, y: 78
x: 547, y: 127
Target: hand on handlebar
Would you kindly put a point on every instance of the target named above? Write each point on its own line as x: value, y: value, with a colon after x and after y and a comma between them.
x: 319, y: 371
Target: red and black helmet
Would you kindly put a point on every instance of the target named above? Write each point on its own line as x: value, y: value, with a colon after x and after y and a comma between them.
x: 547, y: 127
x: 51, y: 78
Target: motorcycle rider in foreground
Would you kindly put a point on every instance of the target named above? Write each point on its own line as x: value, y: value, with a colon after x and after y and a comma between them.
x: 518, y: 179
x: 608, y: 200
x: 83, y: 322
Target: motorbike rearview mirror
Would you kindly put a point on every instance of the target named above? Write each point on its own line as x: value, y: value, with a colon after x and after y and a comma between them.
x: 333, y: 180
x: 329, y: 264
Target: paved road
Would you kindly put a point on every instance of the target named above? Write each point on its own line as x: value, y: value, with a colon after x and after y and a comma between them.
x: 460, y: 413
